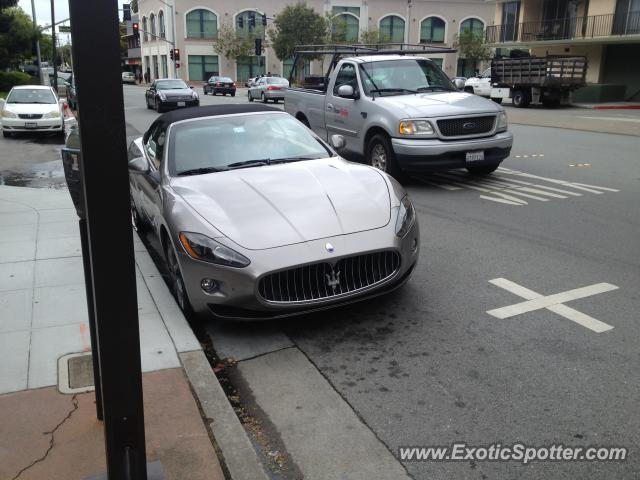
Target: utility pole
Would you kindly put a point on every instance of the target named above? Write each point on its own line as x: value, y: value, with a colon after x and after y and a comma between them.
x: 35, y: 26
x: 53, y: 46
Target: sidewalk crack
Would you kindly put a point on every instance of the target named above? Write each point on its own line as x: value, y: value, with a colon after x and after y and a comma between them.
x: 74, y: 401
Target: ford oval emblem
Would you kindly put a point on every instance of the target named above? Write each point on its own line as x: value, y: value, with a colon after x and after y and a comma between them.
x: 469, y: 126
x: 329, y: 248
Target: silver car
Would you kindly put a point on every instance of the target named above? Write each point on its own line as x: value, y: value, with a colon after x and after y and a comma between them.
x: 259, y: 218
x: 268, y: 88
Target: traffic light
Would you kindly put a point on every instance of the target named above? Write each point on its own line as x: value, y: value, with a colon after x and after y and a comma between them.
x: 252, y: 20
x: 240, y: 22
x: 136, y: 29
x: 176, y: 54
x: 258, y: 47
x: 264, y: 19
x: 171, y: 54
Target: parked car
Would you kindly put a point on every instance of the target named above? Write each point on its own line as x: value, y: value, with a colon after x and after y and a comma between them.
x: 72, y: 98
x: 223, y: 85
x: 32, y: 108
x: 404, y: 115
x: 167, y: 93
x: 250, y: 82
x: 63, y: 87
x: 268, y: 88
x: 260, y: 218
x: 128, y: 77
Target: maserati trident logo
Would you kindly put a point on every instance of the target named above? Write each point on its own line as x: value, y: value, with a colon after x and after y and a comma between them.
x: 330, y: 248
x: 333, y: 279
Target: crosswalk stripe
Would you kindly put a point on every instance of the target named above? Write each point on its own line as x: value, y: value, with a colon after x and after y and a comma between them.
x: 474, y: 186
x: 578, y: 186
x: 537, y: 185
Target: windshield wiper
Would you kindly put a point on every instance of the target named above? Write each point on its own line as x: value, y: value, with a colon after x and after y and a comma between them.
x: 393, y: 90
x: 293, y: 159
x: 200, y: 171
x: 433, y: 88
x: 250, y: 163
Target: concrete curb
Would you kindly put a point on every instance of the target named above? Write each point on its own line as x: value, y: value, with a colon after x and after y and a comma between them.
x: 240, y: 458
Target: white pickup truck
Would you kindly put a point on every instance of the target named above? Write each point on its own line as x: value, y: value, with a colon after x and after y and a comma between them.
x: 403, y: 114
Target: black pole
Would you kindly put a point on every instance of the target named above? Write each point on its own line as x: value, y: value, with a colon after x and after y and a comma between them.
x: 105, y: 178
x: 86, y: 263
x: 53, y: 47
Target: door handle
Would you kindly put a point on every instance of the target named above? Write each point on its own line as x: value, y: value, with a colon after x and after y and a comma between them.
x: 329, y: 106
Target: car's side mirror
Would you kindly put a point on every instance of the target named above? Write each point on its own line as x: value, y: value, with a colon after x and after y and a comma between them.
x: 191, y: 87
x: 138, y: 164
x: 347, y: 91
x: 459, y: 83
x: 338, y: 142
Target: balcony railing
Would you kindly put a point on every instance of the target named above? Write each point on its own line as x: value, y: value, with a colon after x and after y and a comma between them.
x: 566, y: 28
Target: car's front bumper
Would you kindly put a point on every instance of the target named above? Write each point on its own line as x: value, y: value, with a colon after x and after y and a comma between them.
x: 36, y: 125
x: 423, y: 155
x: 238, y: 297
x: 168, y: 104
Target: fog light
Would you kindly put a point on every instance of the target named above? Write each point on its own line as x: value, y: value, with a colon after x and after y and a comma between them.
x: 209, y: 285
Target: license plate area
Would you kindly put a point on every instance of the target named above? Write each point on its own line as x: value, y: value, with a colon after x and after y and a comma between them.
x: 475, y: 156
x: 30, y: 125
x: 181, y: 104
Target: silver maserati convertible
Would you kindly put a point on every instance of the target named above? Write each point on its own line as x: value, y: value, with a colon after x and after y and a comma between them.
x: 260, y: 218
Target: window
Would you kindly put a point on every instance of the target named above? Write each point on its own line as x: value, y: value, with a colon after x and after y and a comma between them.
x: 346, y: 76
x: 510, y: 13
x: 287, y: 65
x: 152, y: 22
x: 437, y: 61
x: 432, y: 30
x: 246, y: 30
x: 202, y: 24
x: 475, y: 25
x: 392, y: 29
x: 202, y: 67
x: 163, y: 62
x: 345, y: 24
x: 249, y: 67
x: 397, y: 77
x: 154, y: 59
x: 145, y: 29
x: 161, y: 24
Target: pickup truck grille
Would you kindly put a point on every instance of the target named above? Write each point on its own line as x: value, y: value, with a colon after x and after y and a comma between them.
x: 458, y: 127
x: 320, y: 280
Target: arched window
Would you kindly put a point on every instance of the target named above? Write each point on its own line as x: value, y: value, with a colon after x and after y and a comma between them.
x: 242, y: 24
x: 392, y: 29
x: 345, y: 28
x: 474, y: 25
x: 145, y: 35
x: 202, y: 24
x: 152, y: 26
x: 161, y: 24
x: 432, y: 30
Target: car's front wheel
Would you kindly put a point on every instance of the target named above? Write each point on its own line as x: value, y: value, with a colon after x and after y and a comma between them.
x: 380, y: 155
x: 521, y: 99
x: 177, y: 283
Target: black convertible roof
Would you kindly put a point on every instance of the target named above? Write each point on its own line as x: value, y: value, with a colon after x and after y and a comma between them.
x: 208, y: 111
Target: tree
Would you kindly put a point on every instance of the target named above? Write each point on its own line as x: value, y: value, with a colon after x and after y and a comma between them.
x: 134, y: 6
x: 234, y: 45
x: 373, y: 36
x: 17, y: 37
x: 296, y: 24
x: 472, y: 47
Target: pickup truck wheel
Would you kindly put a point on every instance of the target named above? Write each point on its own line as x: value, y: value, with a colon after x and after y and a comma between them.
x: 521, y: 99
x: 484, y: 170
x: 468, y: 89
x: 380, y: 155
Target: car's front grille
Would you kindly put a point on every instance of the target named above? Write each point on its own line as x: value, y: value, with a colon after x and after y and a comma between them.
x: 30, y: 116
x: 322, y: 280
x: 458, y: 127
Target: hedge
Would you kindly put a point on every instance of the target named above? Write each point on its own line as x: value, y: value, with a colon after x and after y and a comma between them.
x: 11, y: 79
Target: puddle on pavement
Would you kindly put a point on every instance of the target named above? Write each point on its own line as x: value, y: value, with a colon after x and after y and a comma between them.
x: 40, y: 175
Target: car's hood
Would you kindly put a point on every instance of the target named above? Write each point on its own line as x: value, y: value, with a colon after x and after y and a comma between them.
x: 438, y: 104
x: 177, y: 92
x: 32, y: 108
x: 276, y: 205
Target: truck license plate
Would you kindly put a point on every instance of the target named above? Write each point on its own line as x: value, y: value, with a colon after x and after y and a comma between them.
x: 30, y: 125
x: 475, y: 156
x: 181, y: 104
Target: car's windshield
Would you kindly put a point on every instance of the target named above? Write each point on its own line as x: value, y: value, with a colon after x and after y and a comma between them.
x: 31, y: 95
x: 394, y: 77
x: 170, y: 84
x: 218, y: 143
x: 277, y: 81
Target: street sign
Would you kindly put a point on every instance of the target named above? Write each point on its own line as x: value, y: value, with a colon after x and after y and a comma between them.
x: 64, y: 29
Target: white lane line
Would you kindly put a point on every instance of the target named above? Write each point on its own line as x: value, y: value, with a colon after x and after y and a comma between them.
x: 512, y: 187
x: 485, y: 190
x: 619, y: 119
x: 579, y: 186
x: 500, y: 200
x: 444, y: 186
x: 593, y: 186
x: 553, y: 303
x: 536, y: 185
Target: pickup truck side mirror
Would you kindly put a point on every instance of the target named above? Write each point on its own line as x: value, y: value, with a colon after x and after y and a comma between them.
x: 459, y: 83
x: 347, y: 91
x: 338, y: 142
x: 138, y: 164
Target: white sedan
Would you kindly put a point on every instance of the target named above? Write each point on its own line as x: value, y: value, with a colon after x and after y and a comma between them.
x: 32, y: 108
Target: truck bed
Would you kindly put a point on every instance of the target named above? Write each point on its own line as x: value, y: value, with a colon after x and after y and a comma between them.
x: 540, y: 72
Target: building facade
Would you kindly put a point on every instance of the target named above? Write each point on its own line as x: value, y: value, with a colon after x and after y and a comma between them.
x: 607, y: 32
x: 197, y: 23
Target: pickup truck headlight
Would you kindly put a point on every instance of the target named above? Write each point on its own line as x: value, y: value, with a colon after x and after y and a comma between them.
x: 502, y: 122
x: 8, y: 114
x: 415, y: 127
x: 406, y: 217
x: 201, y: 247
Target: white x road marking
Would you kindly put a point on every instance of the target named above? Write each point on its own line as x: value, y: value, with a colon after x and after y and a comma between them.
x: 554, y: 303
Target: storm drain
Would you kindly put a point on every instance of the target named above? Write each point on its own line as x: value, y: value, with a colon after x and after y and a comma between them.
x: 75, y: 373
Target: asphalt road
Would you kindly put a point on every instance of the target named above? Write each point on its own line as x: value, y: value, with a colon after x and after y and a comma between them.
x: 428, y: 366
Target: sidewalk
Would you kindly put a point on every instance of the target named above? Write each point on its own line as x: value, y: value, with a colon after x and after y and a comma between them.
x: 44, y: 319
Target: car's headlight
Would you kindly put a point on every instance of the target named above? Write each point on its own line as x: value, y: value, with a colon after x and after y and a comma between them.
x: 52, y: 114
x: 8, y: 114
x: 201, y: 247
x: 502, y: 122
x: 415, y: 127
x: 406, y: 217
x: 195, y: 94
x: 162, y: 96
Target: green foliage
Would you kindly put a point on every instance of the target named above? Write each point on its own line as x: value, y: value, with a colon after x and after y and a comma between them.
x: 373, y: 36
x: 296, y: 24
x: 234, y: 45
x: 472, y: 46
x: 134, y: 6
x: 18, y: 35
x: 9, y: 80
